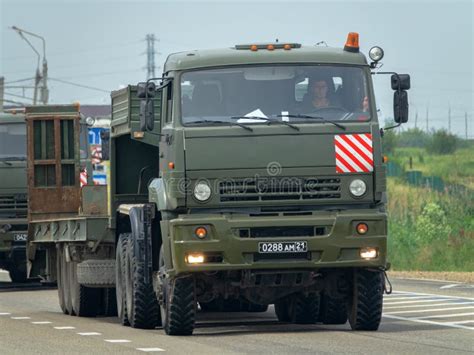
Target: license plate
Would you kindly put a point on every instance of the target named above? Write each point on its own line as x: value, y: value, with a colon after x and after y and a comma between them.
x: 20, y: 237
x: 282, y: 247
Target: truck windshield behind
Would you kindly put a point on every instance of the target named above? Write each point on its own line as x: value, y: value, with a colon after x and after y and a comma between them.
x: 336, y: 93
x: 12, y: 140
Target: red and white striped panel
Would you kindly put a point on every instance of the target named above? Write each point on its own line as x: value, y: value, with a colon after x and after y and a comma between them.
x: 96, y: 155
x: 83, y: 178
x: 354, y: 153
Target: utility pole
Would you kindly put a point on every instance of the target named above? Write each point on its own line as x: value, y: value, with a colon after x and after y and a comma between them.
x: 427, y: 112
x: 416, y: 120
x: 2, y: 92
x: 465, y: 122
x: 150, y: 56
x: 40, y: 77
x: 449, y: 119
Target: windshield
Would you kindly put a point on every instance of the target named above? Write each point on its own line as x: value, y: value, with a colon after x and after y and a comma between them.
x: 288, y: 93
x: 12, y: 140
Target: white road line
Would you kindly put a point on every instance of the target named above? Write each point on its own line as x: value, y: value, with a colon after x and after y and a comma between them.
x: 461, y: 322
x: 42, y: 322
x: 4, y: 314
x: 449, y: 286
x: 431, y: 310
x: 409, y: 298
x: 118, y: 340
x: 434, y: 295
x: 63, y: 328
x: 20, y: 317
x: 427, y: 305
x: 417, y: 301
x: 89, y: 333
x: 417, y: 320
x: 149, y: 350
x: 447, y: 315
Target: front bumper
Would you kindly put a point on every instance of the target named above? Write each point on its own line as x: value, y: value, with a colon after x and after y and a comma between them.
x: 339, y: 246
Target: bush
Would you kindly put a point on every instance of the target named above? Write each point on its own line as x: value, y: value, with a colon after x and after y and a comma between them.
x: 413, y: 137
x: 389, y: 141
x: 432, y: 225
x: 442, y: 142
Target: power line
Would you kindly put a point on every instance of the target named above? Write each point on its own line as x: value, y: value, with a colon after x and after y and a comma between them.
x: 78, y: 85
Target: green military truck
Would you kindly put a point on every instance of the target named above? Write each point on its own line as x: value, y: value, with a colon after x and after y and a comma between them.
x: 249, y: 176
x: 13, y: 198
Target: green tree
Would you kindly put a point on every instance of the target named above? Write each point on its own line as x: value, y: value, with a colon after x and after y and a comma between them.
x: 442, y: 142
x: 432, y: 225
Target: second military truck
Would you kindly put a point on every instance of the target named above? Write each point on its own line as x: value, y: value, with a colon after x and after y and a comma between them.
x: 248, y: 176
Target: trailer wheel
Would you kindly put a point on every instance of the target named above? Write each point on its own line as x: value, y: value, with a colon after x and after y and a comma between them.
x: 282, y: 310
x: 333, y: 310
x: 120, y: 266
x: 365, y: 311
x: 142, y: 305
x: 304, y: 309
x: 109, y: 302
x: 18, y: 273
x: 178, y: 308
x: 60, y: 279
x: 85, y: 300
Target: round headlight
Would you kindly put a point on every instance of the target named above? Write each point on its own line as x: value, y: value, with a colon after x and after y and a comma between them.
x: 202, y: 191
x: 376, y: 53
x: 357, y: 187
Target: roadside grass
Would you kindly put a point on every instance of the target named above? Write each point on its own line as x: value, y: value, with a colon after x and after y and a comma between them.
x: 457, y: 168
x: 429, y: 230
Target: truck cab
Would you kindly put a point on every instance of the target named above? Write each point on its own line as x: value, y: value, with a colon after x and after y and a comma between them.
x: 13, y: 195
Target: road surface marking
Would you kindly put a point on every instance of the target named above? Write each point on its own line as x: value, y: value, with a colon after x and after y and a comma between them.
x: 4, y: 314
x: 20, y: 317
x: 408, y: 298
x: 89, y: 333
x: 449, y: 286
x: 431, y: 310
x: 63, y: 328
x: 149, y: 350
x: 427, y: 305
x: 42, y: 322
x: 461, y: 322
x: 432, y: 294
x: 447, y: 315
x: 118, y: 340
x: 417, y: 320
x: 417, y: 301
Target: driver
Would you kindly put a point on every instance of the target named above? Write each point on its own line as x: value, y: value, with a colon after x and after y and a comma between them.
x: 320, y: 95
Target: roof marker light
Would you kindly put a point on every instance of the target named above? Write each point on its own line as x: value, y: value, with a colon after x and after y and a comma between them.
x: 352, y: 43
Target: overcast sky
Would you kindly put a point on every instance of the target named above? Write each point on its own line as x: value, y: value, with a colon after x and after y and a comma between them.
x: 101, y: 44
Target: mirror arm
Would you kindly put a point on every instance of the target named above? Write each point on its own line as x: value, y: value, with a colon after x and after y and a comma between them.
x: 382, y: 130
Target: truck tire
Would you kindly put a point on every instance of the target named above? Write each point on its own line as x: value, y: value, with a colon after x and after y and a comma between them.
x: 60, y: 279
x: 18, y: 273
x: 304, y: 309
x: 282, y: 310
x: 96, y: 272
x: 120, y: 265
x: 85, y: 300
x: 333, y: 310
x: 365, y: 311
x: 178, y: 311
x: 143, y: 309
x: 109, y: 302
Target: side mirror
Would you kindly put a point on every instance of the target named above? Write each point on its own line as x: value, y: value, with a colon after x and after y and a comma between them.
x: 145, y: 90
x: 147, y: 115
x: 105, y: 139
x: 400, y: 106
x: 400, y: 82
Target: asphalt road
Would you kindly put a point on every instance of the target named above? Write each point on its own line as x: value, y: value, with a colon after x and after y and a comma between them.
x: 420, y: 317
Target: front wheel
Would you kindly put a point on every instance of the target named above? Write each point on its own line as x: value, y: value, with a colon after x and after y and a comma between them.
x: 178, y: 302
x: 365, y: 311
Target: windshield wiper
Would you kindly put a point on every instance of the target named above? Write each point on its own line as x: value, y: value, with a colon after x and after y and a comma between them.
x: 223, y: 122
x: 269, y: 120
x: 314, y: 118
